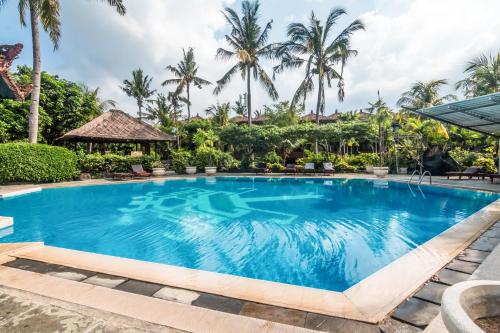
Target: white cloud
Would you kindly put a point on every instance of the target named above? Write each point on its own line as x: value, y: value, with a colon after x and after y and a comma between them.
x: 405, y: 41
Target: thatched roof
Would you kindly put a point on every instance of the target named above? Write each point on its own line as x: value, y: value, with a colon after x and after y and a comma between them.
x: 8, y: 87
x: 116, y: 126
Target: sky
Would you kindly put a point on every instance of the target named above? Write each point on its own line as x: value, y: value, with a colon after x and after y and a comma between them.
x: 405, y: 41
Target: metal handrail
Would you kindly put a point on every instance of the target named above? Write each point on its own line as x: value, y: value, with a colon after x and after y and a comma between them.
x: 423, y: 175
x: 416, y: 172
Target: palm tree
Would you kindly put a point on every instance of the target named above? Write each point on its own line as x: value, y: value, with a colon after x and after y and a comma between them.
x: 176, y: 103
x: 483, y: 76
x: 185, y: 74
x: 248, y: 43
x: 138, y: 88
x: 240, y: 107
x: 48, y: 13
x: 383, y: 119
x: 312, y: 46
x: 103, y: 105
x: 219, y: 113
x: 161, y: 111
x: 424, y: 95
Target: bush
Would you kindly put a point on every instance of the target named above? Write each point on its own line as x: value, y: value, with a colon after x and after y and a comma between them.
x: 362, y: 160
x: 23, y: 162
x: 181, y: 158
x: 97, y: 164
x: 343, y: 166
x: 276, y: 167
x: 226, y: 162
x: 311, y: 157
x: 272, y: 158
x: 206, y: 157
x: 488, y: 164
x: 464, y: 158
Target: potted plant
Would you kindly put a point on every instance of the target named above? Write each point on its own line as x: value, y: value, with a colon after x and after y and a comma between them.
x: 158, y: 168
x: 190, y: 170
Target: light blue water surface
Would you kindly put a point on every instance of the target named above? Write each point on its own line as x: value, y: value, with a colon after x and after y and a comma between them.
x: 326, y: 234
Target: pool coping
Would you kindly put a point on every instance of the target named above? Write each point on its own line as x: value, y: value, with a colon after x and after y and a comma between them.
x: 370, y: 300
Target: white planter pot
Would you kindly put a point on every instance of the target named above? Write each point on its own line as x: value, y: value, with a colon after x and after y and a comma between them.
x: 210, y: 171
x: 159, y: 172
x: 369, y: 168
x: 190, y: 170
x: 381, y: 172
x: 403, y: 171
x: 465, y: 302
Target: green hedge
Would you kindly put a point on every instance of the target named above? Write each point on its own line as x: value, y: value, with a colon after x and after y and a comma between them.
x: 23, y: 162
x: 97, y: 164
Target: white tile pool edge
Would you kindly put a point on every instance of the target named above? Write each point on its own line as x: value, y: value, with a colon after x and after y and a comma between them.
x: 370, y: 300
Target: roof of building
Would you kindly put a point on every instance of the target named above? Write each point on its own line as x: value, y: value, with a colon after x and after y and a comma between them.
x: 8, y: 87
x: 116, y: 126
x: 480, y: 114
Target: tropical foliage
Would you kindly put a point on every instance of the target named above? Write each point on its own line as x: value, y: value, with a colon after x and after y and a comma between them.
x: 139, y: 88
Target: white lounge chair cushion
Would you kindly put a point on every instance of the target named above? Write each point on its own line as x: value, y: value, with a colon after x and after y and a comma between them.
x: 328, y: 166
x: 309, y: 166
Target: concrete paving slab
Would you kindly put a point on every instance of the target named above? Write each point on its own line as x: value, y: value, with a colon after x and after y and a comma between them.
x: 338, y: 325
x: 416, y: 312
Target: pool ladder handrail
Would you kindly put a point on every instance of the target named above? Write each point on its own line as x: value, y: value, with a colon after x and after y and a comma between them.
x: 420, y: 176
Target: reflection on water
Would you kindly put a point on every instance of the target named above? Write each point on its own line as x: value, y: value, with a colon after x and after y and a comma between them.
x: 325, y: 234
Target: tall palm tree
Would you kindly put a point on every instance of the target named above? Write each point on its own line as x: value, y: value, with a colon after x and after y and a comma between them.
x: 382, y: 116
x: 313, y: 47
x: 483, y: 76
x: 248, y: 41
x: 176, y: 103
x: 185, y: 73
x: 219, y: 113
x: 424, y: 95
x: 103, y: 105
x: 47, y: 12
x: 139, y: 88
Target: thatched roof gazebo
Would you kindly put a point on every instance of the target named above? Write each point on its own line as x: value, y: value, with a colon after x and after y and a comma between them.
x: 116, y: 126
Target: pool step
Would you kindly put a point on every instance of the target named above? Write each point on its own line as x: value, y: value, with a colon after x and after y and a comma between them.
x: 16, y: 193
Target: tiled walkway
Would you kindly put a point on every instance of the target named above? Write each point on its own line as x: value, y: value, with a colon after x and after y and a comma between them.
x: 424, y: 306
x: 22, y: 312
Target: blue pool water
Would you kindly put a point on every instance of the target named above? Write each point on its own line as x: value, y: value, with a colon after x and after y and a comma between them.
x: 327, y: 234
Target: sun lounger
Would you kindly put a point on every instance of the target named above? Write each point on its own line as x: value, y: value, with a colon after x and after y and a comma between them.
x: 121, y: 175
x: 290, y: 168
x: 328, y: 168
x: 493, y: 176
x: 473, y: 171
x: 261, y: 168
x: 309, y: 168
x: 138, y: 171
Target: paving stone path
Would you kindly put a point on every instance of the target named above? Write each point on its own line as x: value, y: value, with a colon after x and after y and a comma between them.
x: 22, y: 312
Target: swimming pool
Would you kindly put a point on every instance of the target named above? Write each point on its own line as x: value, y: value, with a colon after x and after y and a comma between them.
x: 321, y: 233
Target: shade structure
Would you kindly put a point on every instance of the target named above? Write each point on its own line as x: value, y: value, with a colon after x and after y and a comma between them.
x: 480, y: 114
x: 8, y: 87
x: 116, y: 126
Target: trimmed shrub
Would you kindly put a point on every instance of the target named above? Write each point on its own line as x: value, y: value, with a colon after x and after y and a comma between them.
x: 24, y: 162
x: 97, y: 164
x: 272, y: 158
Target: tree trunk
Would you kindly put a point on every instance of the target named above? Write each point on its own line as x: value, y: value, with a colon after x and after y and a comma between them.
x: 36, y: 78
x: 318, y: 108
x: 249, y: 98
x: 188, y: 102
x: 139, y: 104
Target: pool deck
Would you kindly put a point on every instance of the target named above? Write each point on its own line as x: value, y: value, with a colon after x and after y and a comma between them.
x: 369, y: 302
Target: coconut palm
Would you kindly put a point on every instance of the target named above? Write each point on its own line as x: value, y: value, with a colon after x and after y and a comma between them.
x: 248, y: 41
x: 483, y: 76
x: 219, y: 113
x: 176, y: 104
x: 185, y: 73
x: 382, y: 116
x: 48, y: 13
x: 139, y: 88
x: 322, y: 55
x: 424, y: 95
x: 240, y: 107
x: 103, y: 105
